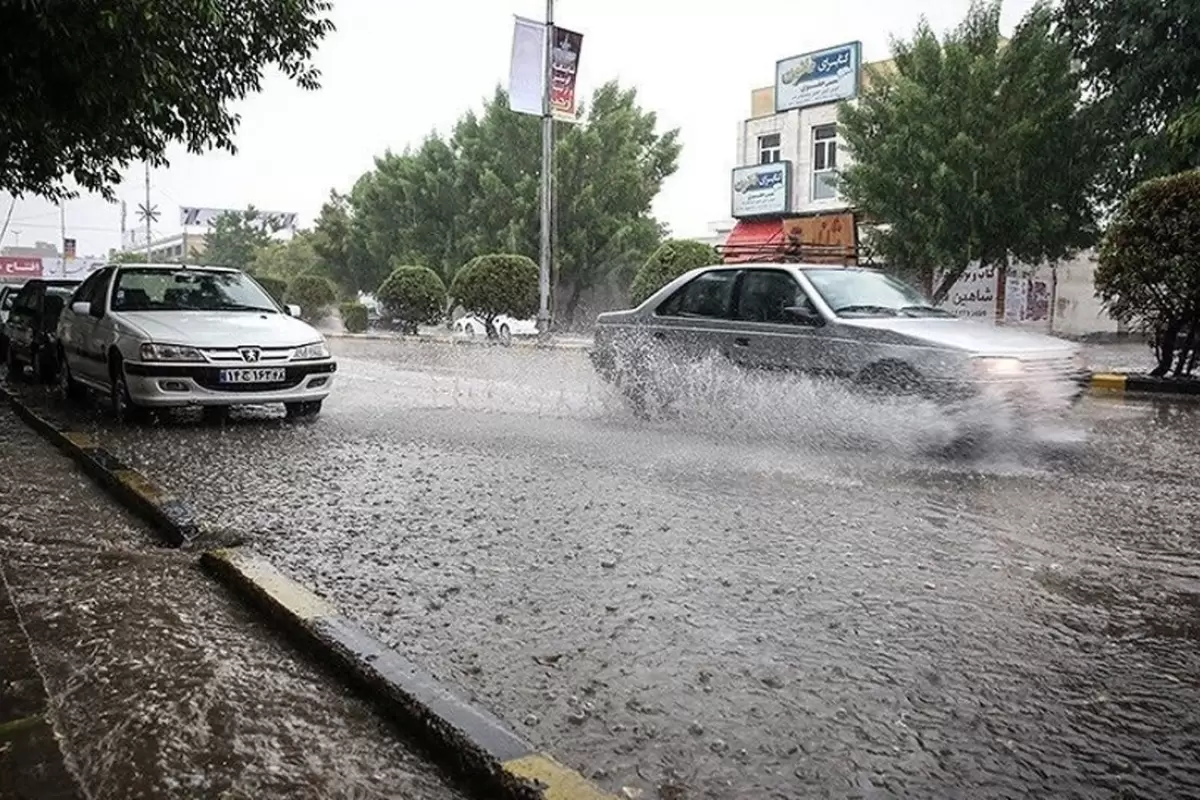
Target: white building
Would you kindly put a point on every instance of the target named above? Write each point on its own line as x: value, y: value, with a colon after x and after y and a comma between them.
x: 784, y: 186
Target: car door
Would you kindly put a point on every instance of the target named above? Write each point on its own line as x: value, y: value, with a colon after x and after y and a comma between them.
x: 778, y: 326
x: 694, y: 321
x: 81, y: 335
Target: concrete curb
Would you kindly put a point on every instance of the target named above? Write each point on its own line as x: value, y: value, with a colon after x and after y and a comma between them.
x: 530, y: 343
x: 470, y: 741
x: 1125, y: 382
x: 171, y: 517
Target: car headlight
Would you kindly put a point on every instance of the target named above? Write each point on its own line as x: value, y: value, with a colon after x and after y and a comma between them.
x: 991, y: 367
x: 153, y: 351
x: 310, y: 352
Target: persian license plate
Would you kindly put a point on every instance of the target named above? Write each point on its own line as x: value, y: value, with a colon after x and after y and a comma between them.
x: 259, y: 375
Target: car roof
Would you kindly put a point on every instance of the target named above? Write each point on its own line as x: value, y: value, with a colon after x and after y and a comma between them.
x: 176, y: 267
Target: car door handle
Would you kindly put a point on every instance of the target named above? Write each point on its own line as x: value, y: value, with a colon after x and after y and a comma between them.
x: 741, y: 341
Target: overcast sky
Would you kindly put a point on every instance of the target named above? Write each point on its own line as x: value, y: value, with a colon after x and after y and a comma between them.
x: 393, y: 71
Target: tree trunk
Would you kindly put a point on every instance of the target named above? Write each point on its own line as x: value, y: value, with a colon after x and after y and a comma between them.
x: 1186, y: 354
x: 568, y: 309
x: 1166, y: 347
x: 489, y: 325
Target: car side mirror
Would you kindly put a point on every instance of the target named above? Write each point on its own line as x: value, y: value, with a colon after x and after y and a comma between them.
x: 96, y: 308
x: 292, y: 310
x: 805, y: 315
x: 80, y: 307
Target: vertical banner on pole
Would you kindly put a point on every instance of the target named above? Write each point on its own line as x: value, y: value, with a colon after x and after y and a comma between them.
x: 526, y: 76
x: 564, y: 68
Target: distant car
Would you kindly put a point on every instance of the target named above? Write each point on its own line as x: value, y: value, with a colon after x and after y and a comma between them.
x: 162, y: 336
x: 30, y: 332
x: 851, y: 323
x: 506, y: 327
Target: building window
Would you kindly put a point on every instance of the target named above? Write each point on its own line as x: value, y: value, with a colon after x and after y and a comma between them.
x: 824, y: 164
x: 768, y: 149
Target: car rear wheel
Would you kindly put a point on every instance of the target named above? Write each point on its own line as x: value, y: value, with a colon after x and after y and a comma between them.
x: 303, y: 410
x: 505, y: 335
x: 47, y: 365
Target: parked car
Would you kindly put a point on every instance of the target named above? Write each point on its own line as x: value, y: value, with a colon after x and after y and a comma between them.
x: 506, y: 327
x: 8, y: 293
x: 30, y: 332
x: 161, y: 336
x: 852, y: 323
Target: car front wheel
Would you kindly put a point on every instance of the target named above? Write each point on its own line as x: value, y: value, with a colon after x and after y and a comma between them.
x: 16, y: 369
x: 71, y: 389
x: 123, y: 406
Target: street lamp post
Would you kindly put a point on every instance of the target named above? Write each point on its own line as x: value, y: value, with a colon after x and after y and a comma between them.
x: 547, y: 192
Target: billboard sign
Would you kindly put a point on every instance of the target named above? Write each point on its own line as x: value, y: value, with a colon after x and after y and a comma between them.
x: 20, y: 267
x: 815, y: 79
x: 824, y: 238
x: 761, y: 190
x: 192, y: 216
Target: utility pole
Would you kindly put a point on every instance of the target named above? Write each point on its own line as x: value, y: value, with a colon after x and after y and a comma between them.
x: 547, y: 178
x: 149, y: 214
x: 124, y: 214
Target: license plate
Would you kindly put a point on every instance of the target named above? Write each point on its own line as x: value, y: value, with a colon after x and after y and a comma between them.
x: 260, y: 375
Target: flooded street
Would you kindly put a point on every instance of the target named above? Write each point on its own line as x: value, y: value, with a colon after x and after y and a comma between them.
x: 776, y: 592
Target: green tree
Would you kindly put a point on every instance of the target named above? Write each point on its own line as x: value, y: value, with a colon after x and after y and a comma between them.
x: 672, y: 258
x: 286, y: 260
x: 128, y: 257
x: 1139, y: 61
x: 1149, y: 270
x: 477, y: 192
x: 314, y: 294
x: 339, y: 239
x: 235, y: 238
x: 498, y: 284
x: 91, y: 85
x: 414, y: 296
x: 972, y: 151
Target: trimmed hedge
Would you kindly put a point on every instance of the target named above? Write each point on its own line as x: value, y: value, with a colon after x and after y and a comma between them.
x: 313, y: 293
x: 496, y: 284
x: 354, y: 317
x: 413, y: 295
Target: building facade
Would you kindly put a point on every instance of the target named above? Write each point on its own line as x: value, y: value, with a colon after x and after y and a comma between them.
x: 172, y: 248
x: 784, y: 188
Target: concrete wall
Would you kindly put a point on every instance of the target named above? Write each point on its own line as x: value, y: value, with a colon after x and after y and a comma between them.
x: 1077, y: 312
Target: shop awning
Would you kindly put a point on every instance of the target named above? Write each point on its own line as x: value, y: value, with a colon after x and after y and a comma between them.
x: 752, y: 240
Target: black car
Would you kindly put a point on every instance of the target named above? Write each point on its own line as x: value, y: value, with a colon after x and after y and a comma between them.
x: 30, y: 329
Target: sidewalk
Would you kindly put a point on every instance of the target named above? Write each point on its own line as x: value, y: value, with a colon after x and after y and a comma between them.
x: 157, y: 683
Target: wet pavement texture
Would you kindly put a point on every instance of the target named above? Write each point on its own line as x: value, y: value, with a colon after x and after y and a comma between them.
x: 159, y: 684
x: 776, y: 593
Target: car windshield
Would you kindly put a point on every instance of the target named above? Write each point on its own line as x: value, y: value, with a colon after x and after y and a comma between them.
x: 188, y: 290
x: 859, y: 292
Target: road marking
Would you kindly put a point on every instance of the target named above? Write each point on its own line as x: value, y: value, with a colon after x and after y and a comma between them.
x: 562, y: 783
x: 1108, y: 381
x: 277, y: 587
x: 83, y: 441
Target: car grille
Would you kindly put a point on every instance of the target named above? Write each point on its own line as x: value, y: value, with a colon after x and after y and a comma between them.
x: 233, y: 355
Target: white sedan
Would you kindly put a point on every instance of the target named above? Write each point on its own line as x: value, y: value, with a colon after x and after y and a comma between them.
x: 161, y: 336
x: 506, y: 327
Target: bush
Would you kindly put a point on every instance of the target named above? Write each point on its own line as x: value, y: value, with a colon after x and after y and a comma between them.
x: 313, y: 293
x: 275, y: 287
x: 1149, y: 270
x: 489, y: 286
x: 413, y: 296
x: 672, y: 258
x: 354, y: 317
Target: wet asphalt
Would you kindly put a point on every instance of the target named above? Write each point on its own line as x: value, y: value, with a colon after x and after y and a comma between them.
x: 160, y: 684
x: 777, y: 592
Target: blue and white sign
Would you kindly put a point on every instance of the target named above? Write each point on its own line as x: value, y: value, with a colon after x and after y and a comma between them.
x: 762, y: 190
x: 814, y: 79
